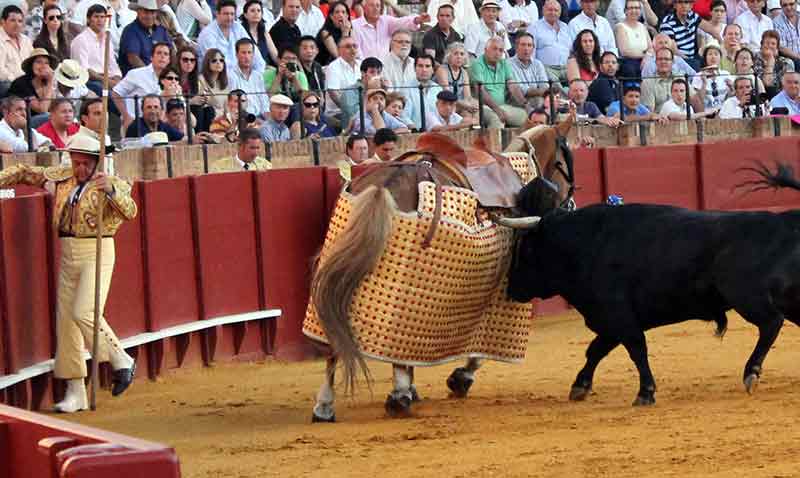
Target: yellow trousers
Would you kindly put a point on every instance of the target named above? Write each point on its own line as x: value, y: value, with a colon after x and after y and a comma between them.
x: 75, y: 314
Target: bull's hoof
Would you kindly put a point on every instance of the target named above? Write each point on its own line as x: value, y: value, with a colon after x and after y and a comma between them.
x: 644, y: 400
x: 459, y: 383
x: 398, y: 406
x: 751, y: 383
x: 318, y: 419
x: 578, y: 393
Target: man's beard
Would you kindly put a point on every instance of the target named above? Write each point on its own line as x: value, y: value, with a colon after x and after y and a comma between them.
x: 403, y: 52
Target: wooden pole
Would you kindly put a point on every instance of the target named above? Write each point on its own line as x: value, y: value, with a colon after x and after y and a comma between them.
x: 101, y: 204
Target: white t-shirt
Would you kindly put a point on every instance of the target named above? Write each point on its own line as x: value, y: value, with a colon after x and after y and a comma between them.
x: 671, y: 107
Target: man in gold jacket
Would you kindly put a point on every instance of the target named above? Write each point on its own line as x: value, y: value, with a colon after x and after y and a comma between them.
x: 247, y: 158
x: 76, y: 191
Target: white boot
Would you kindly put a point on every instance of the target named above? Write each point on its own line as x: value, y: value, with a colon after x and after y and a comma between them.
x: 75, y: 399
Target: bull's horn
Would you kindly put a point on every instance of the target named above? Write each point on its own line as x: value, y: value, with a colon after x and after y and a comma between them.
x: 518, y: 222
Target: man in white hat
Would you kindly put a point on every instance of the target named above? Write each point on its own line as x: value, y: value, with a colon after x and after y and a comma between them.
x: 76, y: 190
x: 274, y: 128
x: 478, y: 34
x: 138, y: 38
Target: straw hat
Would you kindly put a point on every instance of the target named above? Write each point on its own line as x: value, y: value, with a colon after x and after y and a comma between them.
x: 280, y: 100
x: 71, y: 73
x: 490, y: 3
x: 144, y: 5
x: 27, y: 64
x: 81, y: 143
x: 156, y: 138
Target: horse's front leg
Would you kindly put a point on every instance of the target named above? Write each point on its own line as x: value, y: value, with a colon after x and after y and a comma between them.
x: 414, y: 394
x: 398, y: 403
x: 323, y: 409
x: 462, y: 378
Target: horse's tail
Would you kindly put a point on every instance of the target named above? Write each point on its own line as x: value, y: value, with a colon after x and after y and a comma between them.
x: 352, y: 256
x: 783, y: 177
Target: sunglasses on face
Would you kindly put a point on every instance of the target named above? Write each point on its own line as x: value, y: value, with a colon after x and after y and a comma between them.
x: 218, y: 60
x: 55, y: 17
x: 189, y: 60
x: 171, y: 78
x: 311, y: 105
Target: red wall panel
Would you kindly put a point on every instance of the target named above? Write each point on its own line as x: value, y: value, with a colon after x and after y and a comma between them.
x: 720, y: 165
x: 226, y: 240
x: 29, y: 327
x: 292, y: 220
x: 125, y: 307
x: 169, y: 253
x: 589, y: 183
x: 661, y: 175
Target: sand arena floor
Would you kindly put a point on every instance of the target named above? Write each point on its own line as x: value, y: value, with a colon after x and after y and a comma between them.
x: 252, y: 420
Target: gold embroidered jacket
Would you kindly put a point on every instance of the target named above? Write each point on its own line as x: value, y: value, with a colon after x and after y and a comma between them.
x: 79, y: 220
x: 230, y: 164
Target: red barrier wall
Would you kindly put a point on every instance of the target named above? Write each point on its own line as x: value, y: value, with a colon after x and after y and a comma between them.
x: 589, y: 177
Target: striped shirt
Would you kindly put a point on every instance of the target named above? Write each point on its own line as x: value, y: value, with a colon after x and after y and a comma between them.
x: 684, y: 34
x: 790, y: 35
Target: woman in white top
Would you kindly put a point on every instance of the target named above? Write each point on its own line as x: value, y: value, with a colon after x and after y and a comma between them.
x: 633, y: 40
x: 213, y: 80
x: 193, y: 16
x: 518, y: 15
x: 712, y: 77
x: 453, y: 75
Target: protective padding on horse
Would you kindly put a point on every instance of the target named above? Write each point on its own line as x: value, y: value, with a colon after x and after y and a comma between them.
x: 428, y: 306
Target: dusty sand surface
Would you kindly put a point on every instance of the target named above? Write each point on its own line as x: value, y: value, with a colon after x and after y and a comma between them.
x: 253, y: 420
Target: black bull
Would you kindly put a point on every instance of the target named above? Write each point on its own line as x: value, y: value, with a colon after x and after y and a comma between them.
x: 630, y: 268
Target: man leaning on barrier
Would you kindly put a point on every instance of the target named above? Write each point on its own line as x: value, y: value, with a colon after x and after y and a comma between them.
x: 247, y: 158
x: 76, y: 190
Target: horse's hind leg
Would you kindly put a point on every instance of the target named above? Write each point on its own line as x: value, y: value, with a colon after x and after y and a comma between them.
x: 414, y: 395
x: 323, y: 409
x: 462, y: 378
x: 398, y: 403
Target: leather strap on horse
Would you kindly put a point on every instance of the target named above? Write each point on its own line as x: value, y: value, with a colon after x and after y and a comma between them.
x: 426, y: 167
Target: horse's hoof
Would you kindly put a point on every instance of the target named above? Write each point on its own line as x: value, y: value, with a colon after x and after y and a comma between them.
x: 398, y: 407
x: 751, y: 383
x: 459, y: 383
x: 414, y: 395
x: 578, y: 393
x: 644, y: 400
x: 318, y: 419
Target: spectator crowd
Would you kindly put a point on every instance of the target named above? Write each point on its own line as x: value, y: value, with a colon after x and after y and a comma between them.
x: 202, y: 70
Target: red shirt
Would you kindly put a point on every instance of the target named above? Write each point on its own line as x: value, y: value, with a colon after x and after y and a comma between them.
x: 702, y: 8
x: 48, y: 130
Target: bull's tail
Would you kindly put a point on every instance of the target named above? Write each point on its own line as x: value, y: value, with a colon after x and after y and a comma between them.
x: 354, y: 254
x: 783, y: 177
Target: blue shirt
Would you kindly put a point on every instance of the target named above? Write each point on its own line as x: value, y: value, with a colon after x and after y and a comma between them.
x: 390, y: 121
x: 132, y: 131
x: 138, y: 40
x: 640, y: 110
x: 783, y: 100
x: 272, y: 131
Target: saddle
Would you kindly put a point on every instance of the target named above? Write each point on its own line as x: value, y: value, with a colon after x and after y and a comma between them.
x: 487, y: 174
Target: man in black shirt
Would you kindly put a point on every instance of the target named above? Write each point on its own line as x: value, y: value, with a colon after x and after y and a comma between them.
x: 285, y: 33
x: 604, y: 90
x: 436, y: 40
x: 312, y: 69
x: 150, y: 121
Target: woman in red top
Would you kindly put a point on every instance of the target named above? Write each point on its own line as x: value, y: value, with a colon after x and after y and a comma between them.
x: 584, y: 62
x: 61, y: 124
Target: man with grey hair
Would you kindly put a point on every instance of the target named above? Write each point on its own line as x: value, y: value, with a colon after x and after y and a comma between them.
x: 679, y: 66
x: 398, y: 66
x: 494, y: 72
x: 529, y: 72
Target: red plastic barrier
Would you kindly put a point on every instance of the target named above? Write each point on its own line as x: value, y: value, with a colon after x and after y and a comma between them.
x: 291, y: 220
x: 33, y: 445
x: 169, y: 253
x: 720, y: 165
x: 589, y: 184
x: 662, y: 175
x: 25, y: 276
x: 125, y: 306
x: 226, y: 241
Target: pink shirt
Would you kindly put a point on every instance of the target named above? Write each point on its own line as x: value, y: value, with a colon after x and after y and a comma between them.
x: 87, y: 49
x: 374, y: 40
x: 12, y: 54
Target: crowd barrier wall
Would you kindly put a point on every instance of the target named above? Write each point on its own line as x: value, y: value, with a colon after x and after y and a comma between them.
x: 229, y: 244
x: 34, y: 445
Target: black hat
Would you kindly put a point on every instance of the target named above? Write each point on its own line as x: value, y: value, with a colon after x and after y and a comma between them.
x: 447, y: 95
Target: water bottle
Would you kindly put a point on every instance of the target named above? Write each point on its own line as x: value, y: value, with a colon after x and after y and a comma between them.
x: 615, y: 200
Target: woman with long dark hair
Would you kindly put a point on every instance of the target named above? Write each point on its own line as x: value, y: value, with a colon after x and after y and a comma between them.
x: 52, y: 37
x: 213, y: 80
x: 584, y: 63
x: 252, y: 20
x: 337, y: 25
x: 186, y: 64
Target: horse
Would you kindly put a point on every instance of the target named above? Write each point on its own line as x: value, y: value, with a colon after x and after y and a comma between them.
x: 396, y: 189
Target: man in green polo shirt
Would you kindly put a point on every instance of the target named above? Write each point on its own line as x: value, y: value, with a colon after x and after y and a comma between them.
x: 495, y: 73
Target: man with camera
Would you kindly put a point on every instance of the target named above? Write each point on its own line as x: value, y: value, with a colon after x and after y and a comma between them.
x: 227, y: 124
x: 742, y: 105
x: 288, y: 79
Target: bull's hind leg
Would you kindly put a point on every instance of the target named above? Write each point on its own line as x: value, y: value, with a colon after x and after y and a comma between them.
x: 462, y: 378
x: 323, y: 409
x: 398, y: 403
x: 636, y: 345
x: 597, y: 351
x: 768, y: 329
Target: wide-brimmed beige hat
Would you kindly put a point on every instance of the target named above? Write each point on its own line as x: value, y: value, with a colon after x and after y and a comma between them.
x: 71, y: 73
x: 144, y: 5
x: 280, y: 100
x: 81, y: 143
x: 27, y: 64
x: 490, y: 3
x: 156, y: 138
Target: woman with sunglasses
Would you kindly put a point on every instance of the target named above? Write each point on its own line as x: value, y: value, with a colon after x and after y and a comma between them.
x: 213, y: 81
x: 313, y: 125
x: 336, y: 26
x: 170, y: 81
x: 52, y: 37
x: 257, y: 28
x: 186, y: 64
